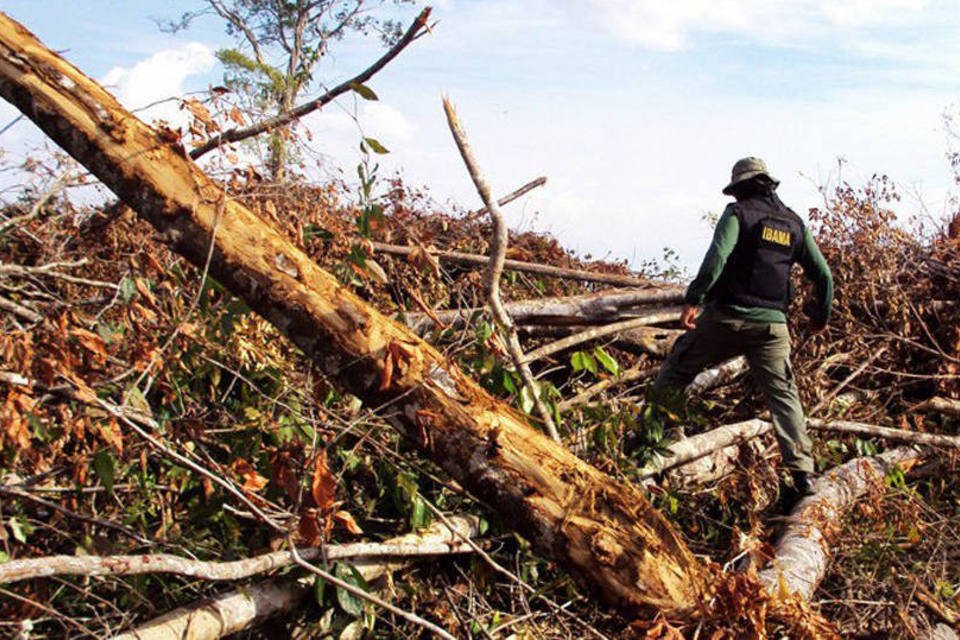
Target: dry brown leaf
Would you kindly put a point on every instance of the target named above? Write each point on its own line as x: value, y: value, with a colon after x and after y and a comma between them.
x: 345, y: 520
x: 323, y: 489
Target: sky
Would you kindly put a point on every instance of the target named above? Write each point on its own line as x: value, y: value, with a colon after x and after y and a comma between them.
x: 635, y: 110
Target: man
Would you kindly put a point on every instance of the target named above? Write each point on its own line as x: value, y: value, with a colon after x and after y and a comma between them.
x: 744, y: 286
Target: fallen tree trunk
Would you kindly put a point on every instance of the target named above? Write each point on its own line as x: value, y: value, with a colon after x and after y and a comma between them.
x: 477, y: 260
x: 603, y: 531
x: 705, y: 445
x: 720, y: 375
x: 237, y: 610
x: 360, y: 552
x: 592, y: 308
x: 802, y: 553
x: 225, y: 614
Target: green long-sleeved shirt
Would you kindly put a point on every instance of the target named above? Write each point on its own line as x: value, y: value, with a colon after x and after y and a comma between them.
x: 725, y: 239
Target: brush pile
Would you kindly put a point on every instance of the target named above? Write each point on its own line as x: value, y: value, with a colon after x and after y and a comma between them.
x: 144, y: 410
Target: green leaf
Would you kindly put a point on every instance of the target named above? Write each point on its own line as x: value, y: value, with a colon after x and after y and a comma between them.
x: 350, y: 603
x: 127, y: 290
x: 20, y: 528
x: 526, y: 400
x: 420, y: 516
x: 363, y: 91
x: 577, y: 361
x: 353, y: 631
x: 316, y: 231
x: 607, y: 361
x: 319, y: 589
x: 105, y: 466
x: 509, y: 384
x: 590, y: 363
x: 375, y: 146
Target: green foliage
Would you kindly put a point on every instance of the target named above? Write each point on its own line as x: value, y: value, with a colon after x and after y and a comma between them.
x: 105, y: 466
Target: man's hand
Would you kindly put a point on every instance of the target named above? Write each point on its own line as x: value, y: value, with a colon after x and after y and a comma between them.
x: 688, y: 319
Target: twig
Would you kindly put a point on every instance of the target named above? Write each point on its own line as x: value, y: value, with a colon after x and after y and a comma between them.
x: 19, y: 493
x: 939, y: 405
x: 637, y: 372
x: 499, y: 568
x: 48, y: 271
x: 235, y: 135
x: 19, y: 310
x: 491, y: 279
x: 825, y: 401
x: 472, y: 259
x: 356, y: 591
x: 37, y: 207
x: 593, y: 308
x: 190, y: 464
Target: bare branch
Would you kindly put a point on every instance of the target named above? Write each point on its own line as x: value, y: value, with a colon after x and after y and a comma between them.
x: 235, y: 135
x: 665, y: 315
x: 491, y: 279
x: 26, y: 569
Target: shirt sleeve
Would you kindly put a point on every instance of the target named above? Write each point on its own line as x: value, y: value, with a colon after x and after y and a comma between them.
x: 724, y: 240
x: 816, y: 270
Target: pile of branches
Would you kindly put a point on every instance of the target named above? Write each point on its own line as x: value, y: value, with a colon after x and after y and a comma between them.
x: 158, y: 438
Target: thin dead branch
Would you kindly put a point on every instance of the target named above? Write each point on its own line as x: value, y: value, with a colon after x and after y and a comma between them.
x: 491, y: 278
x: 236, y: 135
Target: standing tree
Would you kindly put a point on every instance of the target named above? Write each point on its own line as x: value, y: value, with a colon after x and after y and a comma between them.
x: 278, y: 46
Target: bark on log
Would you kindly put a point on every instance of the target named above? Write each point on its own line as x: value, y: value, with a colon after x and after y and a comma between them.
x: 603, y: 531
x: 802, y: 553
x: 705, y: 445
x: 225, y: 614
x: 236, y: 610
x: 593, y: 308
x: 720, y: 375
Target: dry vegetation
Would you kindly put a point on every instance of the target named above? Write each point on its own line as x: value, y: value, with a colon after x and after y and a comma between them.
x: 146, y: 410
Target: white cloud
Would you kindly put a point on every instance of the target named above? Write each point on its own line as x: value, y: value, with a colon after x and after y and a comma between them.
x: 158, y: 78
x: 667, y: 26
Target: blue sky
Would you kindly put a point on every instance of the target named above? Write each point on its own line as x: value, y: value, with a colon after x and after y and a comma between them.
x: 634, y: 109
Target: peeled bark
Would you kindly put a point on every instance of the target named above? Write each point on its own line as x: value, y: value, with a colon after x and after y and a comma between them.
x: 718, y: 376
x: 603, y: 531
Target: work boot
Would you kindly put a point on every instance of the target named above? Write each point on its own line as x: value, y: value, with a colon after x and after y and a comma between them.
x: 793, y: 490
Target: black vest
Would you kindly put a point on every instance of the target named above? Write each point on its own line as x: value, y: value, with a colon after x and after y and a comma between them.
x: 757, y: 273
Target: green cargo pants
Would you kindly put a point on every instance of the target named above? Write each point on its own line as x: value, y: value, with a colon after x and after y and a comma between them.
x: 718, y: 337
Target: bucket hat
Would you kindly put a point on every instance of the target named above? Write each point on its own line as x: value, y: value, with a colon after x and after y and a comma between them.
x: 746, y: 168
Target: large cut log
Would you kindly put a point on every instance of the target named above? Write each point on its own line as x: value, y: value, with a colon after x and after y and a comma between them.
x: 603, y: 531
x: 802, y: 552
